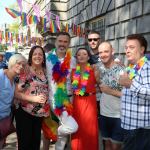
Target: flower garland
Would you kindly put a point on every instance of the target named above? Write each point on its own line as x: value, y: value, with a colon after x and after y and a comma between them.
x: 59, y: 75
x: 132, y: 70
x: 84, y: 80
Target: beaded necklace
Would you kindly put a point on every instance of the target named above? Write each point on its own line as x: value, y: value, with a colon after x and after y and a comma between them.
x: 84, y: 79
x: 132, y: 70
x: 59, y: 75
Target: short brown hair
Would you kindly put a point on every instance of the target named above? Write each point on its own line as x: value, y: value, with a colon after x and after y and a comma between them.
x: 64, y: 33
x: 93, y: 32
x: 140, y: 38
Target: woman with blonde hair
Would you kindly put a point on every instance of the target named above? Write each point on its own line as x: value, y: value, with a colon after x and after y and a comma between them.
x: 7, y: 87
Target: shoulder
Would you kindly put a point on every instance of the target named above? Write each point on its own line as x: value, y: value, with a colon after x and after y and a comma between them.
x: 73, y: 62
x: 146, y: 66
x: 1, y: 73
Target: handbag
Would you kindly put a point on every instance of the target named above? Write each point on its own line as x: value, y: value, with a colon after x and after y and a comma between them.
x: 6, y: 127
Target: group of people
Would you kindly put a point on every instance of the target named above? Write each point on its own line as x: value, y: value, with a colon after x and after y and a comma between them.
x: 88, y: 93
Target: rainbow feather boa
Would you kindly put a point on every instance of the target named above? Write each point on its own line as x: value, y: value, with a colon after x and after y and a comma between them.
x: 132, y: 70
x: 59, y: 75
x: 84, y: 80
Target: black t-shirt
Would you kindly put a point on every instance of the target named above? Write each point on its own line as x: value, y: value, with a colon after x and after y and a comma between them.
x: 94, y: 59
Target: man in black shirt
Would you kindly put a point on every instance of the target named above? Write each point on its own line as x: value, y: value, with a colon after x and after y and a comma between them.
x: 93, y: 42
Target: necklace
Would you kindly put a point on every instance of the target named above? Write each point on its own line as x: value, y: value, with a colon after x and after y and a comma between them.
x: 132, y: 70
x: 84, y: 79
x: 38, y: 72
x: 59, y: 76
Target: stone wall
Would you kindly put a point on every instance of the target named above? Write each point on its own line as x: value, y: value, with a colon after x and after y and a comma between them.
x: 122, y: 17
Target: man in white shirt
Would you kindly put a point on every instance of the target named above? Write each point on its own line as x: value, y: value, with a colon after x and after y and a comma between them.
x: 59, y: 64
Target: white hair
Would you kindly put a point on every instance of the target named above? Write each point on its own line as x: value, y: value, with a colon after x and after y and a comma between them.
x: 15, y: 59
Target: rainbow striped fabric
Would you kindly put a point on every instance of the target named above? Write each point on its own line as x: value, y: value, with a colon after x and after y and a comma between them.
x: 13, y: 12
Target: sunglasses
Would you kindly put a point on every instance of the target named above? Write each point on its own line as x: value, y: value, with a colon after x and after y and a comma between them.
x: 94, y: 39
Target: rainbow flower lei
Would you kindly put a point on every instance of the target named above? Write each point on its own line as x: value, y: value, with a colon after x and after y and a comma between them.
x: 59, y: 75
x: 84, y: 80
x: 132, y: 70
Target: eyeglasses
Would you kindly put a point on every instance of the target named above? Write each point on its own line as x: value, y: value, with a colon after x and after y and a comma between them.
x: 94, y: 39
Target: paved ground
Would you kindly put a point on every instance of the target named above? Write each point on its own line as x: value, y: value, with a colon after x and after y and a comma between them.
x: 11, y: 143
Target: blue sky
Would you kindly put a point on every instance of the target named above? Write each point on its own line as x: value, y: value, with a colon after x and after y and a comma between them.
x: 4, y: 16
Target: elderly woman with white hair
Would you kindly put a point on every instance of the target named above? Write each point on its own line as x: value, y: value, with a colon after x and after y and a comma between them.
x: 7, y: 86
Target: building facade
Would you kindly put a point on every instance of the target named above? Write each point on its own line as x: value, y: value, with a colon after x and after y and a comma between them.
x: 113, y: 19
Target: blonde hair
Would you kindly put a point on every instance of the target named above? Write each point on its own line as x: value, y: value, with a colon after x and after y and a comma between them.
x: 15, y: 59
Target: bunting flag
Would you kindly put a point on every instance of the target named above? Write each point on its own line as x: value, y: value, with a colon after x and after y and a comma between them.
x: 36, y: 9
x: 20, y: 5
x: 43, y: 24
x: 24, y: 19
x: 24, y: 40
x: 13, y: 12
x: 53, y: 27
x: 67, y: 27
x: 11, y: 39
x: 58, y: 23
x: 33, y: 19
x: 6, y: 37
x: 74, y: 29
x: 78, y: 30
x: 1, y: 32
x: 17, y: 38
x: 48, y: 14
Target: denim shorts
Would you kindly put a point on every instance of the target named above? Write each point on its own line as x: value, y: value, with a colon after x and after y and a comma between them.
x: 110, y: 129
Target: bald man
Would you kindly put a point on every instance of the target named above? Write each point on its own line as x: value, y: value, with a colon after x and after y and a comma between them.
x: 110, y: 123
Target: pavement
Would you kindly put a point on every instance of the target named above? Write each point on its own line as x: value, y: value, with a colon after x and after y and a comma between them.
x: 11, y: 143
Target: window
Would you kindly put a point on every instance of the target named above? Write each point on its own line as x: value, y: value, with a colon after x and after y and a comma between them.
x: 99, y: 26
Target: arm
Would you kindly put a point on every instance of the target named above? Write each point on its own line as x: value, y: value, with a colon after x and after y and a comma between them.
x: 31, y: 98
x: 106, y: 89
x: 96, y: 73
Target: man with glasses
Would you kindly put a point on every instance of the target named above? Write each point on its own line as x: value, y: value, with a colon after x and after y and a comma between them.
x: 93, y: 42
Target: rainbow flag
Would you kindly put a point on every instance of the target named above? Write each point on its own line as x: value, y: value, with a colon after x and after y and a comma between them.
x: 33, y: 19
x: 53, y: 27
x: 67, y: 27
x: 24, y: 19
x: 50, y: 126
x: 13, y: 12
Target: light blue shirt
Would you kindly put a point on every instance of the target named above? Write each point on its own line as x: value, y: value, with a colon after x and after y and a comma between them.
x: 6, y: 95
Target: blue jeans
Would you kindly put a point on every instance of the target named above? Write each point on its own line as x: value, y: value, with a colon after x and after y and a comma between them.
x: 138, y: 139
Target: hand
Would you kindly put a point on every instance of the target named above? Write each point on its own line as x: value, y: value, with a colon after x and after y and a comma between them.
x: 124, y: 80
x: 39, y: 99
x: 21, y: 87
x: 104, y: 88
